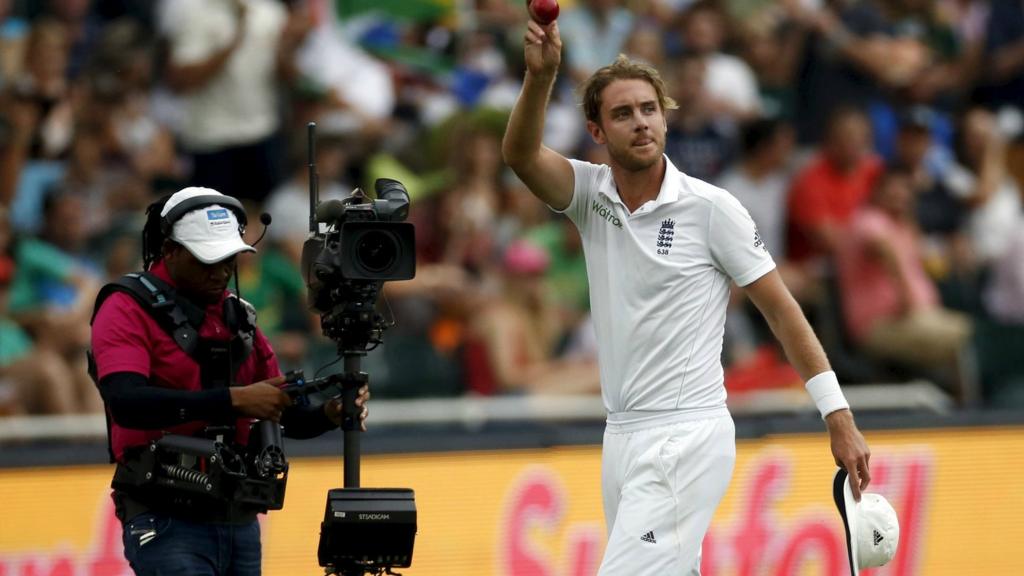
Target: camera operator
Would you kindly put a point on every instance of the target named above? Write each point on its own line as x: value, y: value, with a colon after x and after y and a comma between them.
x: 192, y: 363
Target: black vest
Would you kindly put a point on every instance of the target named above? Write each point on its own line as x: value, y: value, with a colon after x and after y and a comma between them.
x: 218, y: 360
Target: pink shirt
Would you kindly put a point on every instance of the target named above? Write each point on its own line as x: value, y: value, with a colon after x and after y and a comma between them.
x: 125, y: 338
x: 870, y: 292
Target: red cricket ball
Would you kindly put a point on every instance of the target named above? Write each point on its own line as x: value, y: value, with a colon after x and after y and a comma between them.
x: 543, y: 12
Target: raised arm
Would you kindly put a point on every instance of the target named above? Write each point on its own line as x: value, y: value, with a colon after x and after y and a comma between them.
x: 545, y: 172
x: 805, y: 353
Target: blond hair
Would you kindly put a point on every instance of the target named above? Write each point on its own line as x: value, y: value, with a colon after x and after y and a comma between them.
x: 621, y: 69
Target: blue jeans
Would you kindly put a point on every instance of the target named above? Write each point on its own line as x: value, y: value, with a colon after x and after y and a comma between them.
x: 158, y: 545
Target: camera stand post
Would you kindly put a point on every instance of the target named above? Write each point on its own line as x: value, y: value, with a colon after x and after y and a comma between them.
x: 365, y: 530
x: 351, y: 381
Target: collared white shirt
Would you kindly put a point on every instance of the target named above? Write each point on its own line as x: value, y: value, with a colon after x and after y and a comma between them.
x: 659, y: 286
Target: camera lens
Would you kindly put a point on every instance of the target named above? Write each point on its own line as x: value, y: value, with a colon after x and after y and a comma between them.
x: 376, y: 251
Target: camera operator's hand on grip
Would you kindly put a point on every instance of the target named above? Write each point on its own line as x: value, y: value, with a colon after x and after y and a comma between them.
x: 333, y: 408
x: 263, y: 400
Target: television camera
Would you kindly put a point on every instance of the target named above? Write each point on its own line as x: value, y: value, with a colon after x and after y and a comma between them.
x: 355, y: 245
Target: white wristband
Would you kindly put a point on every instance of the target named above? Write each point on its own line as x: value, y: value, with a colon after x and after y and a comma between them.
x: 828, y: 397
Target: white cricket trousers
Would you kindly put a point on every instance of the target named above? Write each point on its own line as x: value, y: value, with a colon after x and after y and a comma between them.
x: 661, y: 484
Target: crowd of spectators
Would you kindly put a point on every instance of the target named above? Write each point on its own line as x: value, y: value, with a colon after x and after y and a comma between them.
x: 876, y: 143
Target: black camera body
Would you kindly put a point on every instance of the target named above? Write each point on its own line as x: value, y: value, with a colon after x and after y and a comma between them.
x: 365, y: 244
x: 366, y: 240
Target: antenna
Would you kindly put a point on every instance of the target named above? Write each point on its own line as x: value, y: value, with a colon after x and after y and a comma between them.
x: 314, y: 184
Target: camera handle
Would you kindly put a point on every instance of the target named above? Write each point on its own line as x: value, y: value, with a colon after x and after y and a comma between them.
x: 349, y: 381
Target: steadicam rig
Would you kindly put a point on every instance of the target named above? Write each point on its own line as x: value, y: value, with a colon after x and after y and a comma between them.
x: 208, y: 470
x: 354, y: 246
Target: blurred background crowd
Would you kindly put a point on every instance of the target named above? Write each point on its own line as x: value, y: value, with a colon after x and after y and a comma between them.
x: 876, y: 143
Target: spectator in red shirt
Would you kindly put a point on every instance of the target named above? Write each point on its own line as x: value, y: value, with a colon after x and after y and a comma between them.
x: 832, y: 186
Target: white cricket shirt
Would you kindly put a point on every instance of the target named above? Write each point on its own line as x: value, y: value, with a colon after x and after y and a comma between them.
x: 659, y: 287
x: 239, y: 105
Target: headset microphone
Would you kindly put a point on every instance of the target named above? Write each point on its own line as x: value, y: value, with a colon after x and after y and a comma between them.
x: 265, y: 219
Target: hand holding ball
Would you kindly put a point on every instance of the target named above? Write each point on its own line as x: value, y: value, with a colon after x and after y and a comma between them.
x: 542, y: 46
x: 543, y: 12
